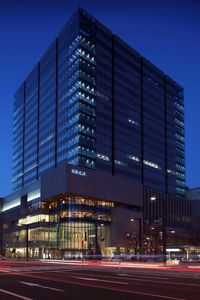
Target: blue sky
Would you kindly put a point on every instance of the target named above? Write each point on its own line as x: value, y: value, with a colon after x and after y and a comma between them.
x: 166, y: 32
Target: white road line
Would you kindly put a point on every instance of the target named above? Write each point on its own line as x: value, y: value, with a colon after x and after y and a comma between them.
x: 96, y: 279
x: 15, y: 295
x: 119, y: 290
x: 163, y: 282
x: 147, y: 294
x: 130, y: 276
x: 112, y: 281
x: 127, y: 291
x: 183, y: 283
x: 41, y: 286
x: 134, y: 292
x: 85, y: 278
x: 135, y: 279
x: 141, y: 276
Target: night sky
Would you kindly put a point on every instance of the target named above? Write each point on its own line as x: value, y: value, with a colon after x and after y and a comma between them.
x: 165, y: 32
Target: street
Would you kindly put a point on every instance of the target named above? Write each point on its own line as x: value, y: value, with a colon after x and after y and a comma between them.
x: 42, y: 280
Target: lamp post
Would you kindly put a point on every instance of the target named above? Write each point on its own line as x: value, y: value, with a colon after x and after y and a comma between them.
x: 58, y: 235
x: 27, y: 243
x: 164, y: 226
x: 139, y: 233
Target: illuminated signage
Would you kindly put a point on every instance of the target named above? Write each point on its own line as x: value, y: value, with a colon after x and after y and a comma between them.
x: 173, y: 250
x: 78, y: 172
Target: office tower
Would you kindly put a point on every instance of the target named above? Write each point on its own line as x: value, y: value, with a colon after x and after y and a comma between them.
x: 98, y: 135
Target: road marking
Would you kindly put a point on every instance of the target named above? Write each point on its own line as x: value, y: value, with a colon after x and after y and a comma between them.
x: 132, y: 276
x: 15, y: 295
x: 40, y: 286
x: 163, y: 282
x: 135, y: 279
x: 92, y: 279
x: 96, y: 279
x: 141, y: 276
x: 132, y: 292
x: 183, y: 283
x: 147, y: 294
x: 110, y: 288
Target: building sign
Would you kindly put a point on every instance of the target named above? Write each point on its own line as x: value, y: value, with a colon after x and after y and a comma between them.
x: 78, y: 172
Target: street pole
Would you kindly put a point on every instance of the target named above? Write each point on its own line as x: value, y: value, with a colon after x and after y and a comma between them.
x: 164, y: 229
x: 96, y: 240
x: 140, y: 236
x: 58, y: 237
x: 27, y: 243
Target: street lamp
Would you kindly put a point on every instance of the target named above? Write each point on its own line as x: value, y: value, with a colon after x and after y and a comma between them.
x: 139, y: 232
x: 164, y: 226
x: 27, y: 243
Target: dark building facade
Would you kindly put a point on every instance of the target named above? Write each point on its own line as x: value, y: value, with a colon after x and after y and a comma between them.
x: 95, y: 107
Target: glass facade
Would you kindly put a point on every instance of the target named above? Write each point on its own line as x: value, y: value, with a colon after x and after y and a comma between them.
x: 175, y: 128
x: 55, y: 108
x: 76, y: 93
x: 31, y: 127
x: 154, y: 155
x: 94, y: 102
x: 71, y: 224
x: 18, y: 138
x: 47, y: 109
x: 127, y: 110
x: 104, y: 99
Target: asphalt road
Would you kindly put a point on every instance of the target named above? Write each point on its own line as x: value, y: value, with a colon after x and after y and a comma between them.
x: 36, y: 280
